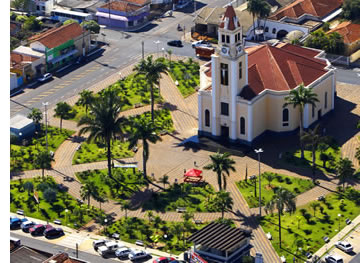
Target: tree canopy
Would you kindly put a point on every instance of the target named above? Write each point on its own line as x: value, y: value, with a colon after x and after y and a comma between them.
x: 351, y: 9
x: 331, y: 43
x: 91, y: 25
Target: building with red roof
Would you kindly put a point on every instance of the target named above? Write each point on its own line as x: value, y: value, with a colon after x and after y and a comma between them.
x: 243, y: 90
x: 351, y: 35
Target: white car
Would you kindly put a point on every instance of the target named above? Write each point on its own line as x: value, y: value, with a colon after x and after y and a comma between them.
x: 45, y: 77
x: 198, y: 43
x: 138, y: 254
x: 123, y: 252
x: 109, y: 248
x: 334, y: 259
x: 344, y: 246
x: 99, y: 243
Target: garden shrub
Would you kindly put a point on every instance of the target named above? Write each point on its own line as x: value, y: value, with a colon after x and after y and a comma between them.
x: 307, y: 231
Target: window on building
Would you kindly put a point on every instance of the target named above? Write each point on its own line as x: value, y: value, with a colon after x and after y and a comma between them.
x: 266, y: 29
x: 240, y: 70
x: 227, y: 39
x: 37, y: 7
x: 223, y: 38
x: 239, y: 37
x: 326, y: 100
x: 236, y: 38
x: 274, y: 31
x: 224, y: 74
x: 224, y: 109
x: 43, y: 7
x: 312, y: 111
x: 242, y: 125
x: 285, y: 117
x: 207, y: 118
x: 130, y: 23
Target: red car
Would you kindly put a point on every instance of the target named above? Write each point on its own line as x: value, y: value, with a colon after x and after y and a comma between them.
x: 37, y: 230
x: 163, y: 260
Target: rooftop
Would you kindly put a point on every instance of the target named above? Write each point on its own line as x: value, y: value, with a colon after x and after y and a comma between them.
x: 25, y: 254
x: 27, y: 51
x: 317, y: 8
x: 349, y: 31
x: 56, y: 36
x: 19, y: 121
x: 122, y: 6
x: 18, y: 61
x: 219, y: 236
x: 230, y: 20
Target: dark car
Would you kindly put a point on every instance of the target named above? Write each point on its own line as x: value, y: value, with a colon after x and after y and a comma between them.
x: 52, y: 232
x: 175, y: 43
x: 15, y: 222
x: 25, y: 226
x: 37, y: 230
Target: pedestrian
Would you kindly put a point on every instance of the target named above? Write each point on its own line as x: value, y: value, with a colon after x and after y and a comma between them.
x: 195, y: 163
x: 184, y: 171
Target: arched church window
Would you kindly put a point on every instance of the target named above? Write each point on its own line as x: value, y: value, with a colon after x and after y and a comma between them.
x: 207, y: 118
x: 326, y: 99
x: 242, y: 125
x: 285, y: 117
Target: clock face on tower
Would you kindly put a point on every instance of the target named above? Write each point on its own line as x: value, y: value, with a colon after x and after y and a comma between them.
x: 224, y: 50
x: 239, y: 48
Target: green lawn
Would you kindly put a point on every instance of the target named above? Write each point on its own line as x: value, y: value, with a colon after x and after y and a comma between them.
x: 94, y: 152
x: 186, y: 73
x: 128, y: 176
x: 295, y: 185
x: 20, y: 199
x: 26, y: 155
x: 294, y: 158
x: 194, y: 198
x: 132, y: 229
x: 135, y: 91
x: 308, y: 235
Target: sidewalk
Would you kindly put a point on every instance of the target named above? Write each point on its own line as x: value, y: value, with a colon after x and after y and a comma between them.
x: 327, y: 247
x: 84, y: 240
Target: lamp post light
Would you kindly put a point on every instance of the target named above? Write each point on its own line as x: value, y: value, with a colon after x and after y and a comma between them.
x: 339, y: 215
x: 105, y: 221
x: 259, y: 151
x: 163, y: 51
x: 157, y: 42
x: 45, y: 104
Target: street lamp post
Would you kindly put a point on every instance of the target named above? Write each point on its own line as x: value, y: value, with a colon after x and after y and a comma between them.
x: 46, y: 125
x: 339, y: 215
x: 163, y: 51
x: 157, y: 42
x: 259, y: 151
x: 105, y: 221
x: 142, y: 49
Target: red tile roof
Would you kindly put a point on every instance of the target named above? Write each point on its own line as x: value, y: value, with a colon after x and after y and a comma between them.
x: 121, y: 6
x: 349, y: 31
x: 138, y: 2
x: 232, y: 18
x: 18, y: 61
x: 317, y: 8
x: 56, y: 36
x: 280, y: 68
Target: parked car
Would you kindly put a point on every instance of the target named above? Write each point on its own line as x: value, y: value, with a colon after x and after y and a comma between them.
x: 197, y: 43
x: 344, y: 246
x: 45, y: 77
x: 15, y: 222
x: 81, y: 60
x: 37, y: 230
x: 109, y: 248
x: 178, y: 261
x: 163, y: 260
x: 123, y: 252
x: 175, y: 43
x: 99, y: 243
x: 139, y: 243
x: 25, y: 226
x: 138, y: 254
x: 51, y: 232
x: 334, y: 259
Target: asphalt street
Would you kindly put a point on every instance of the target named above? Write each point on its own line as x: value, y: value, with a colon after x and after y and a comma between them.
x: 55, y: 249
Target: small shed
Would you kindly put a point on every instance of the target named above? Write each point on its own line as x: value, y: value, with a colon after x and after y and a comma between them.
x: 22, y: 127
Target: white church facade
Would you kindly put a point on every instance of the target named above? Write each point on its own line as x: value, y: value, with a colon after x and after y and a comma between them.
x: 242, y: 91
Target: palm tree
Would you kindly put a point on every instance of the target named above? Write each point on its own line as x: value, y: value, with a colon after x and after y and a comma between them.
x: 43, y: 161
x: 223, y: 202
x: 151, y: 71
x: 145, y: 131
x: 169, y: 51
x: 313, y: 138
x: 357, y: 154
x: 125, y: 205
x: 149, y: 215
x: 300, y: 97
x: 29, y: 187
x: 101, y: 197
x: 164, y: 180
x: 62, y: 111
x: 314, y: 205
x: 269, y: 177
x: 105, y: 123
x: 88, y: 190
x: 177, y: 230
x: 344, y: 169
x: 259, y: 9
x: 86, y: 98
x: 282, y: 198
x: 220, y: 164
x: 36, y: 116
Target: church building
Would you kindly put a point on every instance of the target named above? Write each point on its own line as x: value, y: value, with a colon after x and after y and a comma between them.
x: 242, y: 90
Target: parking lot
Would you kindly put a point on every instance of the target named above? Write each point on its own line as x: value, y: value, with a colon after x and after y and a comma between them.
x: 354, y: 239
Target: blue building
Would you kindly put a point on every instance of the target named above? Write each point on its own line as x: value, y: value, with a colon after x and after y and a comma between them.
x: 126, y: 15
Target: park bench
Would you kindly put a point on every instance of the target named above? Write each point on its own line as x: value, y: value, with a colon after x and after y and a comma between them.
x: 198, y: 221
x: 20, y: 212
x: 181, y: 209
x: 137, y: 105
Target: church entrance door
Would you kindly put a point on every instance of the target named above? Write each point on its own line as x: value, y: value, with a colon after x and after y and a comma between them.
x: 224, y: 132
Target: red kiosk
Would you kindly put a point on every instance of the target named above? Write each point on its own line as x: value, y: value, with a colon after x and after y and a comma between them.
x: 193, y: 176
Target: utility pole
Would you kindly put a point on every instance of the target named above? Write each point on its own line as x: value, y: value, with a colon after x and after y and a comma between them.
x: 46, y: 125
x: 109, y: 13
x: 258, y: 152
x: 142, y: 49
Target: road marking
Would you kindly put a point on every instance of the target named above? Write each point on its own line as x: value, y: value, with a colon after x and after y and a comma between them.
x: 48, y: 92
x: 43, y: 95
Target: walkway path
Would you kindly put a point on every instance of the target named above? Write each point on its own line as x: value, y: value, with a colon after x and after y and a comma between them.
x: 171, y: 158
